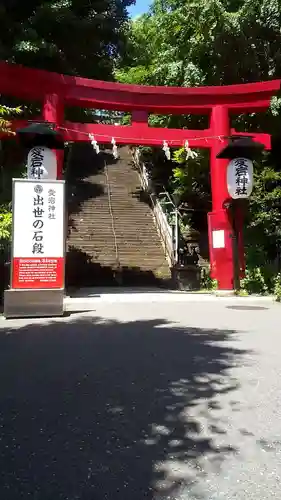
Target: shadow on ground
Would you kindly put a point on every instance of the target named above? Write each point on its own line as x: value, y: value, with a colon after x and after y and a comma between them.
x: 96, y: 410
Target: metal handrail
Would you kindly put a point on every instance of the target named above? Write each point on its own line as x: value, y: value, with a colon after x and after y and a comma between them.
x: 165, y: 193
x: 178, y: 217
x: 168, y: 249
x: 162, y: 234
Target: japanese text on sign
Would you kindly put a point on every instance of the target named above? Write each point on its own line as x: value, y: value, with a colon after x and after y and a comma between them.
x: 38, y: 222
x: 38, y: 215
x: 38, y: 236
x: 52, y: 204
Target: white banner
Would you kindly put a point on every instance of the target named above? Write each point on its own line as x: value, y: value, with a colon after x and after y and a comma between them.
x: 41, y: 163
x: 38, y: 219
x: 240, y: 178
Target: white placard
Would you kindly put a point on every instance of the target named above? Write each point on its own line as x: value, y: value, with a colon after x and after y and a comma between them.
x: 218, y: 239
x: 38, y: 218
x: 41, y: 163
x: 240, y: 178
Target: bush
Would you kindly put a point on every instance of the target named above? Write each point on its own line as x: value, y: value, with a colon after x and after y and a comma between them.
x: 5, y: 225
x: 207, y: 283
x: 254, y: 282
x: 277, y: 287
x: 5, y: 237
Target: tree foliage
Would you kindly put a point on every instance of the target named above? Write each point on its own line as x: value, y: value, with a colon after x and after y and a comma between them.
x: 77, y: 37
x: 215, y: 42
x: 5, y: 214
x: 5, y: 223
x: 183, y: 42
x: 5, y: 113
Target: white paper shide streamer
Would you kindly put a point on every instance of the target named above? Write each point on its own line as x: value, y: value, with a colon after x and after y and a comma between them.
x: 189, y: 153
x: 166, y: 150
x: 94, y: 143
x: 114, y: 148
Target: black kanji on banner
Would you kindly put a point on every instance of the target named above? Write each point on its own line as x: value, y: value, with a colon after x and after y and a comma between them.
x: 241, y: 176
x: 37, y: 158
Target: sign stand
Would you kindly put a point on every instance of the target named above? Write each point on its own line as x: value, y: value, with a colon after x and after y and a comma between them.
x: 38, y: 249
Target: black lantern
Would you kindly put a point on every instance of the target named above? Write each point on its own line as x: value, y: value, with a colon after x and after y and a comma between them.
x: 40, y: 134
x: 241, y: 147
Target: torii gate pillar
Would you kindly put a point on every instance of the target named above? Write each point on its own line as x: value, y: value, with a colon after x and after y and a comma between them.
x: 219, y: 223
x: 219, y: 227
x: 53, y: 112
x: 221, y: 130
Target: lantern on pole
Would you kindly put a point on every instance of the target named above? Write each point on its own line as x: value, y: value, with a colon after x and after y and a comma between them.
x: 241, y: 151
x: 38, y: 240
x: 41, y: 139
x: 240, y: 178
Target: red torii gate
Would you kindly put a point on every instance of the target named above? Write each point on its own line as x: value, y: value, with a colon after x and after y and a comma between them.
x: 56, y: 91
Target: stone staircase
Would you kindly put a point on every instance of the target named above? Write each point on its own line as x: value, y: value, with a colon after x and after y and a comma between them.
x: 112, y: 236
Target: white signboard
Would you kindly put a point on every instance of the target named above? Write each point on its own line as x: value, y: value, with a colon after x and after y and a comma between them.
x: 218, y: 239
x: 240, y: 178
x: 38, y: 234
x: 41, y: 163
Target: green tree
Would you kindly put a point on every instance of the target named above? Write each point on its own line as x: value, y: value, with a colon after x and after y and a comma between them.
x: 215, y: 42
x: 77, y: 37
x: 5, y: 113
x: 5, y: 128
x: 5, y: 194
x: 207, y: 42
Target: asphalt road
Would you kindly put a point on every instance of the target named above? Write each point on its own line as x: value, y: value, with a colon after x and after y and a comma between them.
x: 143, y: 400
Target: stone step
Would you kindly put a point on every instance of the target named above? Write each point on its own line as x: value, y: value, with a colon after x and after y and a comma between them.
x: 92, y: 237
x: 147, y: 258
x: 121, y: 244
x: 135, y: 248
x: 118, y: 218
x: 123, y: 231
x: 122, y: 249
x: 118, y: 204
x: 110, y: 248
x: 93, y: 227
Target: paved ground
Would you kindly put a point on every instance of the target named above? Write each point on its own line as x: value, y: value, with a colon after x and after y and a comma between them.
x: 147, y: 398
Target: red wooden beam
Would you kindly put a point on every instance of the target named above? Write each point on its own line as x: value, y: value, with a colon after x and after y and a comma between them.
x: 135, y: 135
x: 141, y: 134
x: 33, y: 84
x: 254, y: 107
x: 173, y: 105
